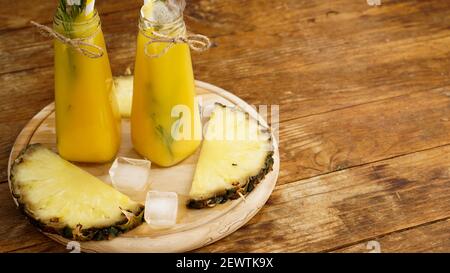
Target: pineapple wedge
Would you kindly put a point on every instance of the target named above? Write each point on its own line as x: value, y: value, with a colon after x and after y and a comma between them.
x: 236, y: 155
x: 61, y: 198
x: 124, y: 94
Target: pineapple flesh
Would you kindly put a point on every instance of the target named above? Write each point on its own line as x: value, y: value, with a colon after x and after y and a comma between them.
x: 124, y: 94
x: 236, y: 155
x: 61, y: 198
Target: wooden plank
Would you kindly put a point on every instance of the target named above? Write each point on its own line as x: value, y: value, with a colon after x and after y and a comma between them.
x: 19, y: 102
x: 17, y: 14
x: 319, y: 213
x: 255, y: 44
x: 361, y: 134
x: 225, y: 14
x: 348, y: 206
x: 429, y: 238
x: 46, y: 247
x: 20, y: 46
x: 16, y: 232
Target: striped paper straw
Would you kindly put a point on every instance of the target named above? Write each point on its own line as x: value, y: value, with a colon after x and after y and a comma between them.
x: 89, y: 7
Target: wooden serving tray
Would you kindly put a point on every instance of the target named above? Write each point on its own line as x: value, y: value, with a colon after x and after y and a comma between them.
x: 195, y: 228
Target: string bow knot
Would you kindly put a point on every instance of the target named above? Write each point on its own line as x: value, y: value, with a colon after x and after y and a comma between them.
x: 196, y: 42
x: 79, y: 44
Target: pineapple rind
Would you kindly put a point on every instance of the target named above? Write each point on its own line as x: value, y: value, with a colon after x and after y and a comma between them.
x: 210, y: 190
x: 90, y: 234
x: 129, y: 219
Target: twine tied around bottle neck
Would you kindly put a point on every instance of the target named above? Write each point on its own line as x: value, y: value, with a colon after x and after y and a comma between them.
x: 79, y: 44
x: 196, y: 42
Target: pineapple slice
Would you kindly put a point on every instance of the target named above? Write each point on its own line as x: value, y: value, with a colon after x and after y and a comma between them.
x: 124, y: 94
x: 236, y: 155
x: 61, y: 198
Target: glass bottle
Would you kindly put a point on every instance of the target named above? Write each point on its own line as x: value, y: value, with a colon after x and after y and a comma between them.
x: 165, y: 121
x: 87, y: 116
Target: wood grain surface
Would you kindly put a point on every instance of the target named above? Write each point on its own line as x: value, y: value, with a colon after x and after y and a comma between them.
x: 364, y: 97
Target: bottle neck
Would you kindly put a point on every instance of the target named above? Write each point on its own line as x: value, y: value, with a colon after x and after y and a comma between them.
x: 78, y: 28
x: 175, y: 28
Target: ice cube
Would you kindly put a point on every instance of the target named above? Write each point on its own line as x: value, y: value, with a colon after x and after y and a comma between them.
x: 130, y: 175
x: 161, y: 209
x: 162, y: 12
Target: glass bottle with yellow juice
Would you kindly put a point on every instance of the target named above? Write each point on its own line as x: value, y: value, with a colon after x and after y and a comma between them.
x: 165, y: 120
x: 87, y: 116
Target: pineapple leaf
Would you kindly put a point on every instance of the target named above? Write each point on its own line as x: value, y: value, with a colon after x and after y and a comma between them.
x: 164, y: 135
x: 67, y: 14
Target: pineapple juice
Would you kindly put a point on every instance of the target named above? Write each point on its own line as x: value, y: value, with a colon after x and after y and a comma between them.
x: 87, y: 116
x: 161, y: 84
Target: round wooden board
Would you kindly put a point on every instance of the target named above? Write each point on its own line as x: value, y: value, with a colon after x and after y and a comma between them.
x: 194, y: 228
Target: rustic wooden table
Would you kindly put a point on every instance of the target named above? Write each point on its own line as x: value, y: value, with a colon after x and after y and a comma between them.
x: 364, y: 95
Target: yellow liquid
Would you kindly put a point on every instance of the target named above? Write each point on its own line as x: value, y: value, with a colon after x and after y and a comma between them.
x: 159, y: 85
x: 87, y: 116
